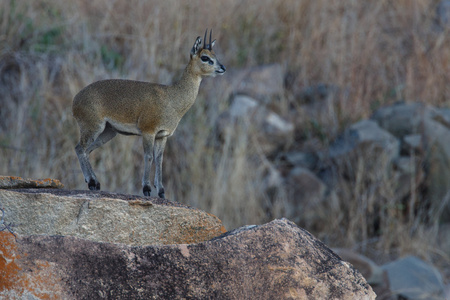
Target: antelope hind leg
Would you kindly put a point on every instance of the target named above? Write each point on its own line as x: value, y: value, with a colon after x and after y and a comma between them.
x: 160, y: 144
x: 83, y: 148
x: 148, y: 142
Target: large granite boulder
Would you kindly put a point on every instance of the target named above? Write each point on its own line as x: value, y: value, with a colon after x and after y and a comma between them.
x: 277, y: 260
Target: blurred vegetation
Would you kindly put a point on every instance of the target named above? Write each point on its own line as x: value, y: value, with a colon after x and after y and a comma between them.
x: 378, y: 51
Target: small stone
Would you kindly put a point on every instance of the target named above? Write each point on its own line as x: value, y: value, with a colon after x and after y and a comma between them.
x: 413, y: 142
x: 302, y: 159
x: 242, y: 106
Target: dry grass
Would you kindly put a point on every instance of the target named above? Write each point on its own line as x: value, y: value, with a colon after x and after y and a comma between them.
x: 378, y: 51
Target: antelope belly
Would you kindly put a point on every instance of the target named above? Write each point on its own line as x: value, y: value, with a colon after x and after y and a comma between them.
x: 123, y: 128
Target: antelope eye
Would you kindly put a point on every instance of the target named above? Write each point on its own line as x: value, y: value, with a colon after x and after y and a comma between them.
x: 205, y: 58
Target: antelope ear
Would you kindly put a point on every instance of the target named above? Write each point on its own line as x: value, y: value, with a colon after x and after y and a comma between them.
x: 213, y: 43
x: 196, y: 46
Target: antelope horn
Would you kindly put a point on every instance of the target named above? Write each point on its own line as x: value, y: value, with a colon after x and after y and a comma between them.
x: 204, y: 40
x: 210, y: 45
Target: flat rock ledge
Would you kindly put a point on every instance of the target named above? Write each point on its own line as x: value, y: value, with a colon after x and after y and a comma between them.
x: 106, y: 217
x: 14, y: 182
x: 277, y: 260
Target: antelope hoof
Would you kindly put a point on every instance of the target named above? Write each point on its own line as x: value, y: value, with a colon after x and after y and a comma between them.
x: 94, y: 185
x: 161, y: 193
x: 147, y: 190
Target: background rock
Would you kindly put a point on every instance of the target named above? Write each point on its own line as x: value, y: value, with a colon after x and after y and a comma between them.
x: 307, y: 160
x: 265, y: 83
x: 270, y: 130
x: 412, y: 278
x: 412, y: 143
x: 366, y: 135
x: 243, y: 106
x: 375, y: 275
x: 364, y: 146
x: 305, y: 192
x: 401, y: 118
x: 406, y: 177
x: 433, y: 126
x: 104, y: 217
x: 318, y: 104
x: 443, y: 14
x: 277, y: 260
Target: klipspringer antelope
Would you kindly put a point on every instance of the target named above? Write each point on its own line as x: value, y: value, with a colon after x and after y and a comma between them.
x: 153, y: 111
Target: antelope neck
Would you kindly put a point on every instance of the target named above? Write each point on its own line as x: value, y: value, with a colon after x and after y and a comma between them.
x: 186, y: 90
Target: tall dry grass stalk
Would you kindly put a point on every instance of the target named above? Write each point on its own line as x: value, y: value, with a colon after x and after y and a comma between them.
x: 378, y: 51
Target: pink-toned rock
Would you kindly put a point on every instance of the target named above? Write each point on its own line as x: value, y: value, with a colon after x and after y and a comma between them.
x: 277, y: 260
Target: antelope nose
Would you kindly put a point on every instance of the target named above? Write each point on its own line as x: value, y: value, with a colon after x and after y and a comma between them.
x: 223, y: 68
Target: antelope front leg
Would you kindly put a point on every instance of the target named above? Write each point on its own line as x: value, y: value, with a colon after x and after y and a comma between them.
x: 160, y: 144
x: 148, y: 141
